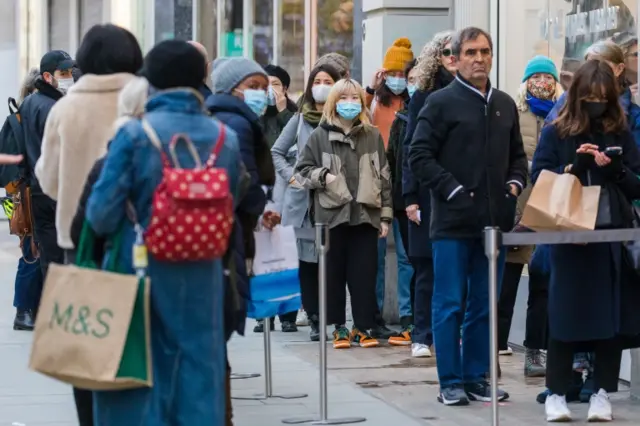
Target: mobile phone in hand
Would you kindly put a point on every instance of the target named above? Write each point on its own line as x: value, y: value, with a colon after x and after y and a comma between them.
x: 613, y: 151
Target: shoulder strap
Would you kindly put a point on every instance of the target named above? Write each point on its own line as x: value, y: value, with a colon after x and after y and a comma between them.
x: 155, y: 140
x: 13, y: 106
x: 218, y: 146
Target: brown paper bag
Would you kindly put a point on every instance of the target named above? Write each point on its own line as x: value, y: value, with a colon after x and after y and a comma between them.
x: 92, y: 329
x: 561, y: 203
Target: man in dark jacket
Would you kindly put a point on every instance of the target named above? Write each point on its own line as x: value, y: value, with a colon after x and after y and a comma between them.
x: 468, y: 150
x: 55, y: 76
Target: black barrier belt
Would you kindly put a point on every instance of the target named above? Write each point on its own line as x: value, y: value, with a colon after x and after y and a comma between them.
x: 570, y: 237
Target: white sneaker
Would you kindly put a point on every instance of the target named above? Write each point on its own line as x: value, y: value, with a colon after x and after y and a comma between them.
x: 506, y: 352
x: 600, y: 408
x: 302, y: 320
x: 418, y: 350
x: 556, y: 409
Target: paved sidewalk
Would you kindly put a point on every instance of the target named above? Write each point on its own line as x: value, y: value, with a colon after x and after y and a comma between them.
x: 26, y: 398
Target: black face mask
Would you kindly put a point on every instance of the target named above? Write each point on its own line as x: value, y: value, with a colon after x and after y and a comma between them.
x: 594, y: 109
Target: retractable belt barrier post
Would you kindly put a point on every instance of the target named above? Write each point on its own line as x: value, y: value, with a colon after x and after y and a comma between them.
x: 268, y: 372
x: 322, y: 244
x: 494, y: 239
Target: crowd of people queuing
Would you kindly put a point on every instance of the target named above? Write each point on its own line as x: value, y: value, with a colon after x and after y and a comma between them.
x: 429, y: 151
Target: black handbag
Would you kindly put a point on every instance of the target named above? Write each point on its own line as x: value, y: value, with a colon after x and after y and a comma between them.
x: 604, y: 219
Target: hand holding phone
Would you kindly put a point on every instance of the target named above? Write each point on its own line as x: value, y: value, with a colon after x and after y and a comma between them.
x: 613, y: 151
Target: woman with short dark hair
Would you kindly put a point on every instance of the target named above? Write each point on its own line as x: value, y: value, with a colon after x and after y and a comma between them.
x: 77, y: 131
x: 109, y: 49
x: 591, y: 308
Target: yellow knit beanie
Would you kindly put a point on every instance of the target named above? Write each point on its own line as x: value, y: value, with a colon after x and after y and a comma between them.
x: 398, y: 55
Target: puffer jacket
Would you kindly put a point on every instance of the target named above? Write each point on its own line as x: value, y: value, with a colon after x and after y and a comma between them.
x: 361, y: 192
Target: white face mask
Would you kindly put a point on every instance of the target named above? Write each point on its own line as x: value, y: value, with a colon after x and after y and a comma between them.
x: 321, y: 93
x: 64, y: 84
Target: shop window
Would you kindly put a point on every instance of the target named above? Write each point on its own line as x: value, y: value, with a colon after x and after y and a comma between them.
x: 335, y: 27
x: 173, y: 19
x: 59, y: 24
x: 292, y: 43
x: 580, y: 23
x: 563, y: 30
x: 90, y: 14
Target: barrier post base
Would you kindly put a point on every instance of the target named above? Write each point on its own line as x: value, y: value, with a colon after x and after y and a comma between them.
x: 243, y: 376
x: 317, y: 421
x: 262, y: 396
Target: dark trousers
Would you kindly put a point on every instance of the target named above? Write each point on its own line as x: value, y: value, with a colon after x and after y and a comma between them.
x: 44, y: 215
x: 289, y: 317
x: 507, y: 301
x: 537, y: 328
x: 423, y: 331
x: 28, y: 284
x: 537, y: 323
x: 606, y: 367
x: 308, y: 274
x: 352, y: 260
x: 83, y: 398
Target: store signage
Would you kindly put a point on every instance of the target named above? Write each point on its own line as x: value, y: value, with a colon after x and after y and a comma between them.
x: 580, y: 23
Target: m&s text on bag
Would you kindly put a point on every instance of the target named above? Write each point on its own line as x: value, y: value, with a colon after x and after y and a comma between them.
x: 81, y: 320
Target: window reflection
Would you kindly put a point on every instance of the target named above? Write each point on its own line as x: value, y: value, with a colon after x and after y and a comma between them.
x: 335, y: 27
x: 173, y: 19
x: 292, y: 42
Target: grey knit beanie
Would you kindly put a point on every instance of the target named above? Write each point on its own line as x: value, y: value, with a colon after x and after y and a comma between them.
x: 228, y: 73
x: 337, y: 61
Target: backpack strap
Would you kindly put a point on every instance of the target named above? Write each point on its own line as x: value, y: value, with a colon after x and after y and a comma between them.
x: 218, y: 146
x: 155, y: 141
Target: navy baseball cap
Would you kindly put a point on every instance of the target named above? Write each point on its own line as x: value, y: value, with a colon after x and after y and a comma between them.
x: 56, y: 60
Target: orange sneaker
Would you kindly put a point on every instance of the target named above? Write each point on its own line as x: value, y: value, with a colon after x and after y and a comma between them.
x: 403, y: 338
x: 341, y: 338
x: 363, y: 339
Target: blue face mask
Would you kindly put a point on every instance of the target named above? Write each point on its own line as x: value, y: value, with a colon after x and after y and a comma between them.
x: 256, y: 100
x: 396, y: 84
x: 411, y: 89
x: 271, y: 96
x: 348, y: 110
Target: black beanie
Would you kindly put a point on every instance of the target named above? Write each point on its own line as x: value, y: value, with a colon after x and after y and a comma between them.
x: 174, y: 63
x: 279, y: 72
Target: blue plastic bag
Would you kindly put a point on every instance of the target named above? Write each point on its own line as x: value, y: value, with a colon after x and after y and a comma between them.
x: 275, y: 286
x: 274, y: 294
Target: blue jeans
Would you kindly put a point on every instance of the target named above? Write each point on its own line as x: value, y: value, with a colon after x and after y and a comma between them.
x: 405, y: 273
x: 461, y: 264
x: 28, y: 283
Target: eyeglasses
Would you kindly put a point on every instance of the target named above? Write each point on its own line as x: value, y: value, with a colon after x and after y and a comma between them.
x: 447, y: 52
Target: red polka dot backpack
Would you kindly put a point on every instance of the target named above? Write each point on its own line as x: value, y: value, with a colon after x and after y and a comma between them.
x: 192, y: 210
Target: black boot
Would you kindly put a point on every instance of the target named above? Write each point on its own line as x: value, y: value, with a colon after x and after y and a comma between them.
x: 259, y: 328
x: 381, y: 331
x: 24, y: 320
x: 289, y: 327
x: 314, y: 325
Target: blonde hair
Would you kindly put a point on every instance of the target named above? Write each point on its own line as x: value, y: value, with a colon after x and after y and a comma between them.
x: 429, y: 59
x: 521, y: 96
x: 131, y: 101
x: 329, y: 114
x: 605, y: 50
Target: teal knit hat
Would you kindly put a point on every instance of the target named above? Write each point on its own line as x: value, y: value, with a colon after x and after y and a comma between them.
x: 540, y: 64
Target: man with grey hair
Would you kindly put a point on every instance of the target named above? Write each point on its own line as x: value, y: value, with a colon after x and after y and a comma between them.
x: 204, y: 89
x: 468, y: 150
